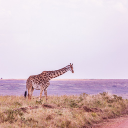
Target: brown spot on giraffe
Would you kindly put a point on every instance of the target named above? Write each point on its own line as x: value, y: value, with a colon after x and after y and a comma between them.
x: 41, y: 81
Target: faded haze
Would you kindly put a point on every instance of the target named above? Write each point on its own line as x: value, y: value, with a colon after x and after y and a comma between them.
x: 38, y: 35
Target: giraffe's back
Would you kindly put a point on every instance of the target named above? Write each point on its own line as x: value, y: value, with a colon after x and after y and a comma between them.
x: 36, y: 81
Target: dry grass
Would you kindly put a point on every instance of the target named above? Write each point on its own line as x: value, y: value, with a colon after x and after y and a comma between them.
x: 60, y: 111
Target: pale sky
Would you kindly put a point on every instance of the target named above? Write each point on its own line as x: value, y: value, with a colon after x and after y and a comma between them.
x: 38, y: 35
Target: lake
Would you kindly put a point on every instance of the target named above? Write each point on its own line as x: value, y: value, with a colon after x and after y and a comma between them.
x: 69, y: 87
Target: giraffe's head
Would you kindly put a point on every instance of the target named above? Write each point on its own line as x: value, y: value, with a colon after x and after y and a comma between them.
x: 71, y: 68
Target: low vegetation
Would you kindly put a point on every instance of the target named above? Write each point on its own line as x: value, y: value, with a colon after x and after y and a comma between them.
x: 73, y: 111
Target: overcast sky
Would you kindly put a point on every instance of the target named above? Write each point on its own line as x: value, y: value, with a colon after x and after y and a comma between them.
x: 38, y: 35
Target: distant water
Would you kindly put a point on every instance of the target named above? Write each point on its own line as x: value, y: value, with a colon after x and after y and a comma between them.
x: 69, y: 87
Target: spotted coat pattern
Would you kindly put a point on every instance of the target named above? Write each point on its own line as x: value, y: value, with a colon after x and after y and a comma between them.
x: 41, y: 81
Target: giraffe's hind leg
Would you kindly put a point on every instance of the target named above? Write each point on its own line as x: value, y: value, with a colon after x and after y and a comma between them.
x: 30, y: 91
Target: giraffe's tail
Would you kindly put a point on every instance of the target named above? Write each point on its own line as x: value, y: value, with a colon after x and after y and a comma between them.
x: 25, y: 93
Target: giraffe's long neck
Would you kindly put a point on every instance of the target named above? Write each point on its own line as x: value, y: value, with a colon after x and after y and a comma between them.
x: 56, y: 73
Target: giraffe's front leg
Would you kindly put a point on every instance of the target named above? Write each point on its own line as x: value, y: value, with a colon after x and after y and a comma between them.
x: 41, y: 91
x: 45, y: 90
x: 45, y: 93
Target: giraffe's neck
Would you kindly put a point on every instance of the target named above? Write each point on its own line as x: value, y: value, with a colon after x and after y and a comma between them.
x: 56, y: 73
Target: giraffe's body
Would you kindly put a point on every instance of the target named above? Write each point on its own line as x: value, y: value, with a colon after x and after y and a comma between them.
x: 41, y: 81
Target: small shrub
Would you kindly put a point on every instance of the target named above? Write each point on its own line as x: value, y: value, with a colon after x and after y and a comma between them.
x: 39, y: 102
x: 80, y: 99
x: 11, y: 116
x: 73, y: 104
x: 58, y: 112
x: 49, y: 117
x: 104, y: 94
x: 17, y: 104
x: 31, y: 122
x: 110, y: 100
x: 2, y: 118
x: 65, y: 124
x: 93, y: 114
x: 109, y: 105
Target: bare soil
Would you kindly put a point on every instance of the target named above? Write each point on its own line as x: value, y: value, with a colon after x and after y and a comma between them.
x: 120, y: 122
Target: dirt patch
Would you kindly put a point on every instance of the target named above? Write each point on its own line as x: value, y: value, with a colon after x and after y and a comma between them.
x: 117, y: 122
x: 87, y: 109
x: 49, y: 106
x: 120, y: 122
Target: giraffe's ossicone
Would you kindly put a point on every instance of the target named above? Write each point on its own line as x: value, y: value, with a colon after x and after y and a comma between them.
x: 41, y: 81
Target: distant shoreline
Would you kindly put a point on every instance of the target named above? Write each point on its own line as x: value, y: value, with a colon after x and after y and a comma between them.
x: 68, y: 79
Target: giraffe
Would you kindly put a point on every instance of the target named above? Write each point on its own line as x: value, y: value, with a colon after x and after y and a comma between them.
x: 41, y: 81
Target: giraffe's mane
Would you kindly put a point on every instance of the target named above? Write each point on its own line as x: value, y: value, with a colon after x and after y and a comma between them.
x: 61, y: 68
x: 57, y: 70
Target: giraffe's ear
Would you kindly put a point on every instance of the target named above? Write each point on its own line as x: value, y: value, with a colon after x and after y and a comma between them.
x: 72, y: 64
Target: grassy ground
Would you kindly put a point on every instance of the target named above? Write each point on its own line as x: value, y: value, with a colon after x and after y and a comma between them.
x: 59, y: 111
